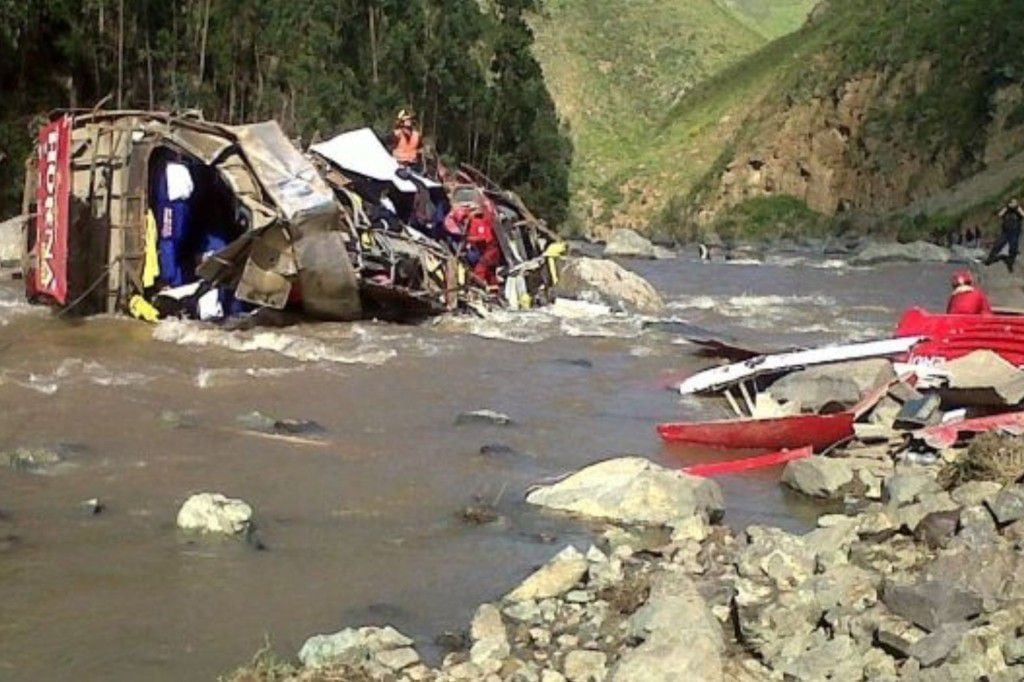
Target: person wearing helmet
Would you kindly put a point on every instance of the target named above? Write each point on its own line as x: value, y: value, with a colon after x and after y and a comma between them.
x: 1012, y: 216
x: 967, y: 299
x: 484, y: 251
x: 406, y: 140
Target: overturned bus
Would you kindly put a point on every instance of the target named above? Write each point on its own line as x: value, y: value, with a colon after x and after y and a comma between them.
x: 130, y: 205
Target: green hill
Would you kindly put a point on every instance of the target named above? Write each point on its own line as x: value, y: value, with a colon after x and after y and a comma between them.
x: 616, y: 68
x: 895, y: 117
x: 770, y: 18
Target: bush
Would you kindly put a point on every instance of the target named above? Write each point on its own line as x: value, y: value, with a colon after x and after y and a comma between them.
x: 771, y: 217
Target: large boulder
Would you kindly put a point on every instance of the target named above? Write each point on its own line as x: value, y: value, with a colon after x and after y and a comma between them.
x: 818, y: 476
x: 914, y: 252
x: 215, y: 513
x: 682, y: 639
x: 632, y: 490
x: 931, y: 603
x: 603, y: 281
x: 627, y: 243
x: 842, y: 383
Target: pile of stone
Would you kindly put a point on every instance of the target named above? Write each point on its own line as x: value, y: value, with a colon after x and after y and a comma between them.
x: 917, y: 579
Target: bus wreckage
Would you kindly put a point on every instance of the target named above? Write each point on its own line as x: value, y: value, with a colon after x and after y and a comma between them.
x: 158, y: 215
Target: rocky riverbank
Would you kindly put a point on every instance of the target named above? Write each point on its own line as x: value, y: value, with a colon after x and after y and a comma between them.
x: 917, y: 580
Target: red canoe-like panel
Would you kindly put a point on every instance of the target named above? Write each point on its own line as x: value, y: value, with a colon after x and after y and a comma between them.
x: 946, y: 435
x: 953, y: 336
x: 817, y: 430
x: 735, y: 466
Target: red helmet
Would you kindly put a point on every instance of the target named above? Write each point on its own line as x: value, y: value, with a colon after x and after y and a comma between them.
x: 963, y: 278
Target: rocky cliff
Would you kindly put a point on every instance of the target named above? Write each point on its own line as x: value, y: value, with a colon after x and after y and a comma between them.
x: 882, y: 108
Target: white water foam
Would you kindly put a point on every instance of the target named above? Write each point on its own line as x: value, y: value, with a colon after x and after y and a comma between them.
x: 288, y: 344
x: 209, y: 376
x: 745, y: 304
x: 71, y: 371
x: 563, y: 318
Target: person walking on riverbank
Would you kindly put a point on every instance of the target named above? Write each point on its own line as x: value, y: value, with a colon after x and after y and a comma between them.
x: 1012, y: 216
x: 967, y: 299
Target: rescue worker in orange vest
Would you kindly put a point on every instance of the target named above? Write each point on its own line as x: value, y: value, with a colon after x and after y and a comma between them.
x: 967, y: 299
x: 407, y: 141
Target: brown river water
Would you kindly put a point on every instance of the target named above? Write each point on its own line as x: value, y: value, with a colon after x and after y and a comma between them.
x: 362, y: 529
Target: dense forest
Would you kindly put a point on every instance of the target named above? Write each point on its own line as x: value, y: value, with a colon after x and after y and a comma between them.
x: 317, y: 66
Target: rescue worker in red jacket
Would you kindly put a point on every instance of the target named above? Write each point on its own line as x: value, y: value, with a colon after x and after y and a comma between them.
x: 967, y: 299
x: 407, y: 141
x: 485, y: 252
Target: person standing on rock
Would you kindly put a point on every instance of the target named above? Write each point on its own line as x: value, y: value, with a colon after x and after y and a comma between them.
x: 967, y: 299
x: 1012, y: 216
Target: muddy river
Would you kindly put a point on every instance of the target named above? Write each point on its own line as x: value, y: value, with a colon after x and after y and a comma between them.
x: 362, y: 528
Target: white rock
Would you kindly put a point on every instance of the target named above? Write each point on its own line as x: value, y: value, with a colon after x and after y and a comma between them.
x: 551, y: 676
x: 609, y: 283
x: 215, y: 513
x: 12, y: 238
x: 554, y: 578
x: 396, y: 659
x: 585, y: 666
x: 632, y: 490
x: 487, y: 624
x: 350, y: 646
x: 693, y: 528
x: 818, y: 476
x: 486, y: 651
x: 628, y: 243
x: 523, y: 612
x: 914, y: 252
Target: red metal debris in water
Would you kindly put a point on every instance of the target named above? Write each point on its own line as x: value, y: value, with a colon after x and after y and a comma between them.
x: 736, y: 466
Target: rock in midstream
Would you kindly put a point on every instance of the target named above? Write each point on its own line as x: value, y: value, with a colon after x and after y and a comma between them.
x: 215, y: 513
x: 603, y: 281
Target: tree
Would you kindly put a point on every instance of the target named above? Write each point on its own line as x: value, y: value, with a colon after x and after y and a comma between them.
x: 318, y: 67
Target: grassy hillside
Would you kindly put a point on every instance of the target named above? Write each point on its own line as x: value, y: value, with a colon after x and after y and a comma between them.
x: 616, y: 68
x: 869, y: 116
x: 770, y: 18
x: 897, y: 116
x: 876, y: 112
